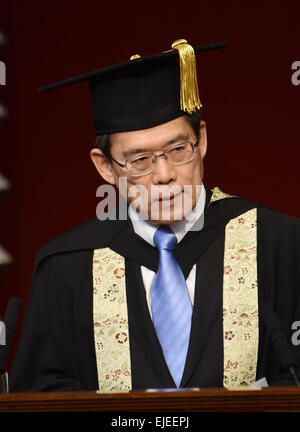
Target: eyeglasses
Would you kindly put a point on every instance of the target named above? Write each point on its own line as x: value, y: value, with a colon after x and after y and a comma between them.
x: 143, y: 164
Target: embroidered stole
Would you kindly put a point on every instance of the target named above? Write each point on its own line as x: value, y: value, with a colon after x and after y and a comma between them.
x: 240, y: 308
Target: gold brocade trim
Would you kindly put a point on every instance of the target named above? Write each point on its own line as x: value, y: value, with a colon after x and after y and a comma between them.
x: 240, y: 301
x: 110, y: 316
x: 217, y: 195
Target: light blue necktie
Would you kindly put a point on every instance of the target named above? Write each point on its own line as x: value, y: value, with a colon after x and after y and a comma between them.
x: 171, y: 304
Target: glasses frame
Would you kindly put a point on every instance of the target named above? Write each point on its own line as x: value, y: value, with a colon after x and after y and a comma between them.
x: 154, y: 157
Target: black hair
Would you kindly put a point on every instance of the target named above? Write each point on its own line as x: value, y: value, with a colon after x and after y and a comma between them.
x: 103, y: 141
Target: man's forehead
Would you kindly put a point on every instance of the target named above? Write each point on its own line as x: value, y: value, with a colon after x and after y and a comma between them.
x: 172, y: 132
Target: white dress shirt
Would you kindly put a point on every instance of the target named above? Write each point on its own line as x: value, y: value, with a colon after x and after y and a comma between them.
x: 180, y: 228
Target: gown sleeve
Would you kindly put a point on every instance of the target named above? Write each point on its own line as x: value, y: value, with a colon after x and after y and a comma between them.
x: 279, y: 277
x: 38, y: 365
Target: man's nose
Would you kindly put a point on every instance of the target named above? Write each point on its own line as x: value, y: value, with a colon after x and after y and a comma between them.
x: 163, y: 172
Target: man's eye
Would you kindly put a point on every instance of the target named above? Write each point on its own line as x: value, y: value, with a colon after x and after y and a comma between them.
x: 177, y: 149
x: 141, y: 160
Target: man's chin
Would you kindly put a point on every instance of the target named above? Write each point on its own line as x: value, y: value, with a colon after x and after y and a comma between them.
x: 164, y: 212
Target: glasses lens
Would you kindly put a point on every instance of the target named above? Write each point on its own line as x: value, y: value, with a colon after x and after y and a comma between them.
x: 181, y: 153
x: 140, y: 165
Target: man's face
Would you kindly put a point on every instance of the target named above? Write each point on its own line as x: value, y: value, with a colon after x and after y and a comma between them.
x: 177, y: 183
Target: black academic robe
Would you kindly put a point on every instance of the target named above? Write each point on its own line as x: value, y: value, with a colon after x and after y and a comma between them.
x: 56, y: 350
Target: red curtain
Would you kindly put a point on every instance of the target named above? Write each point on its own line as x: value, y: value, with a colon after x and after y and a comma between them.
x: 250, y: 104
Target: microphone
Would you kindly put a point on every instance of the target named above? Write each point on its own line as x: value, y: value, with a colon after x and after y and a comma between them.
x: 10, y: 321
x: 280, y: 341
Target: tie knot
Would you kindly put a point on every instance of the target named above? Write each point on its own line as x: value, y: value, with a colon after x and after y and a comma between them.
x: 164, y: 238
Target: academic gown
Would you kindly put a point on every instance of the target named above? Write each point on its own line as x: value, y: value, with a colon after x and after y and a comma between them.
x: 56, y: 350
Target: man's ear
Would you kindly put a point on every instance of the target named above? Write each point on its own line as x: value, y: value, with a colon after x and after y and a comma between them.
x: 202, y: 139
x: 103, y: 165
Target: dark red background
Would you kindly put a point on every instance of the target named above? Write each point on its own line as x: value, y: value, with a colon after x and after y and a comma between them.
x: 250, y: 105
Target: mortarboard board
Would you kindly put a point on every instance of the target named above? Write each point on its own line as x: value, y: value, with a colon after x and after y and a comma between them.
x: 144, y: 91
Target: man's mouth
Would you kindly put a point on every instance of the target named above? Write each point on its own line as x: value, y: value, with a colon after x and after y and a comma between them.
x: 168, y: 198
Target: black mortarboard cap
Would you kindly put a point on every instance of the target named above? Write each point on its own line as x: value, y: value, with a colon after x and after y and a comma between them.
x: 144, y: 91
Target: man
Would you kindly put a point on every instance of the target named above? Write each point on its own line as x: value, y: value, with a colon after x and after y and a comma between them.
x: 188, y: 290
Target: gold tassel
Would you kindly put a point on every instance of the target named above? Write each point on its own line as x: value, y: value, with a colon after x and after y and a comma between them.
x: 189, y: 95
